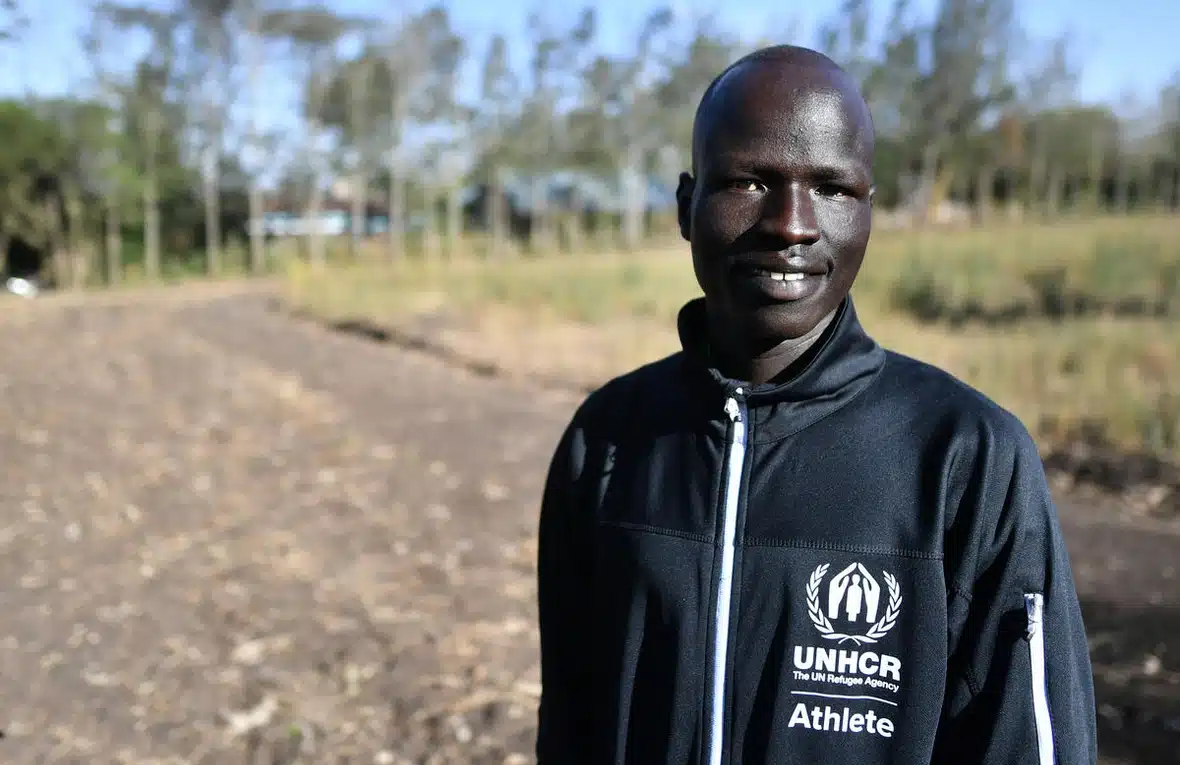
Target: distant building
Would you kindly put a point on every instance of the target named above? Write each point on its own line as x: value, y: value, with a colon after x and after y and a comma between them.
x: 595, y: 197
x: 282, y: 218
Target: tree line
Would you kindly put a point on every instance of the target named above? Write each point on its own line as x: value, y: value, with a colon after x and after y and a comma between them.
x: 441, y: 137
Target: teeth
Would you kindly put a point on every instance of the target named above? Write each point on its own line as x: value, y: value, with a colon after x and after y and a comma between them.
x: 782, y: 276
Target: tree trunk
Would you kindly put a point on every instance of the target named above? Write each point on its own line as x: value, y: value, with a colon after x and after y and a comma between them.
x: 359, y: 207
x: 151, y: 130
x: 454, y: 221
x: 397, y: 213
x: 634, y: 201
x: 359, y: 123
x: 984, y: 183
x: 430, y: 241
x: 151, y: 228
x: 1054, y: 192
x: 1036, y: 183
x: 316, y: 245
x: 1096, y: 165
x: 574, y: 221
x: 923, y: 202
x: 539, y: 233
x: 62, y: 266
x: 257, y: 235
x: 79, y: 256
x: 254, y: 193
x: 496, y: 214
x: 639, y: 209
x: 397, y: 183
x: 114, y: 243
x: 316, y: 249
x: 1123, y: 188
x: 57, y: 234
x: 212, y: 214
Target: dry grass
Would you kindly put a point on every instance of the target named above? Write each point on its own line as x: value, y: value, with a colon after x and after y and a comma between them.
x: 984, y: 293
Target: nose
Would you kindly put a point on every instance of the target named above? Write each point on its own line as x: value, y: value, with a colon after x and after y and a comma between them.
x: 789, y: 214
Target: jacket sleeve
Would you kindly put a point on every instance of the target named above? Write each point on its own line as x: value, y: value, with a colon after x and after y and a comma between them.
x: 1020, y: 687
x: 563, y: 575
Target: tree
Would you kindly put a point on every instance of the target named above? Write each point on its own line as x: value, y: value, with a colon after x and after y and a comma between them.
x: 422, y: 56
x: 33, y: 160
x: 498, y: 97
x: 12, y: 21
x: 1049, y: 88
x: 845, y: 39
x: 953, y: 74
x: 150, y: 111
x: 48, y: 171
x: 209, y: 56
x: 1170, y: 134
x: 684, y: 82
x: 251, y: 18
x: 350, y: 106
x: 311, y: 35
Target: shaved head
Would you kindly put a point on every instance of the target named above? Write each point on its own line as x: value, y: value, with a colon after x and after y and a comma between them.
x: 783, y: 58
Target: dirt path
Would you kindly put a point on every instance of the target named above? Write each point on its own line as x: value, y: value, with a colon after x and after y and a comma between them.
x: 232, y: 537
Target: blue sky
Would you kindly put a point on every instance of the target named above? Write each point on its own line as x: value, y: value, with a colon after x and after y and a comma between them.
x: 1128, y: 45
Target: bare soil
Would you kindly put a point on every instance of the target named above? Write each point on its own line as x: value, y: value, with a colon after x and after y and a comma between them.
x: 233, y: 537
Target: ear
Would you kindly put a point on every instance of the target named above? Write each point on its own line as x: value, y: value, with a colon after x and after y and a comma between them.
x: 684, y: 191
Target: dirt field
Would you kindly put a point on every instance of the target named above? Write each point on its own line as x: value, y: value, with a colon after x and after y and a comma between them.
x: 234, y: 537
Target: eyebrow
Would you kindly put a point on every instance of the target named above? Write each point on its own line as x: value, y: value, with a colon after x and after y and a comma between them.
x: 850, y: 172
x: 841, y: 173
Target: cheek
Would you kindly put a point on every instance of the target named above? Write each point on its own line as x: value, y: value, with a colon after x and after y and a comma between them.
x: 846, y: 225
x: 724, y: 219
x: 842, y: 218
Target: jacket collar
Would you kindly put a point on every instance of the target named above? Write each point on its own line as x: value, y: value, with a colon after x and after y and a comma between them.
x: 845, y: 362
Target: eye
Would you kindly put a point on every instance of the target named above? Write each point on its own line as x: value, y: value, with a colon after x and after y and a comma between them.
x: 833, y: 190
x: 745, y: 184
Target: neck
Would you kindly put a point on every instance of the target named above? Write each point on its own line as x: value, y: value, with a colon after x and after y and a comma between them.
x: 775, y: 363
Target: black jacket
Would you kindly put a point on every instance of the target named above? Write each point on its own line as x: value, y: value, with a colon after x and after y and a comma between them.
x: 860, y: 566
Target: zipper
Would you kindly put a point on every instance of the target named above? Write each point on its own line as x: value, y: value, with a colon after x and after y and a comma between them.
x: 735, y: 408
x: 1034, y: 607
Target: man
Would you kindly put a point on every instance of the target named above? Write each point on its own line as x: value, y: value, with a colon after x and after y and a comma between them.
x: 785, y: 544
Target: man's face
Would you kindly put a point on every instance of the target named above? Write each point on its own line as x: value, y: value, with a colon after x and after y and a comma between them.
x: 779, y: 214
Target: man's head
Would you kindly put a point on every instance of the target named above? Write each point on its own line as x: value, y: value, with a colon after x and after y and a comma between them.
x: 778, y: 206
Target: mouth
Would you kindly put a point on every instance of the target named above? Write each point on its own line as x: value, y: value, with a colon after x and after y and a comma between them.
x: 778, y: 276
x: 779, y: 283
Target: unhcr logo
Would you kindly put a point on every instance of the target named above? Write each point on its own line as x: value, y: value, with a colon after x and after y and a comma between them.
x: 853, y: 601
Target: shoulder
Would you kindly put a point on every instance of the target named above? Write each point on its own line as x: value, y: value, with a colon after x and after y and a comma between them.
x: 624, y: 406
x: 951, y: 403
x: 996, y: 488
x: 648, y: 389
x: 992, y: 473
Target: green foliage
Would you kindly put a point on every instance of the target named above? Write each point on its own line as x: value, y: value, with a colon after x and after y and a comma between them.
x: 33, y: 158
x: 32, y: 145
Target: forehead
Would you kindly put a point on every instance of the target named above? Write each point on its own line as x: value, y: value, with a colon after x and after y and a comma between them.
x: 785, y: 113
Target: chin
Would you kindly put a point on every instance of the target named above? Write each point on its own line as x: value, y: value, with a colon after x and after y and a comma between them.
x: 781, y: 329
x: 774, y: 324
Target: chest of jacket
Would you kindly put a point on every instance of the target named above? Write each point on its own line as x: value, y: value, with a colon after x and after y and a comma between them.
x: 770, y: 597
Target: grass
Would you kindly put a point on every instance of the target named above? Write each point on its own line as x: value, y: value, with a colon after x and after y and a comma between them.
x: 1073, y: 325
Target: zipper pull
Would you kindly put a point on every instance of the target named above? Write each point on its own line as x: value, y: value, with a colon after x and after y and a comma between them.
x: 731, y: 407
x: 1034, y: 609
